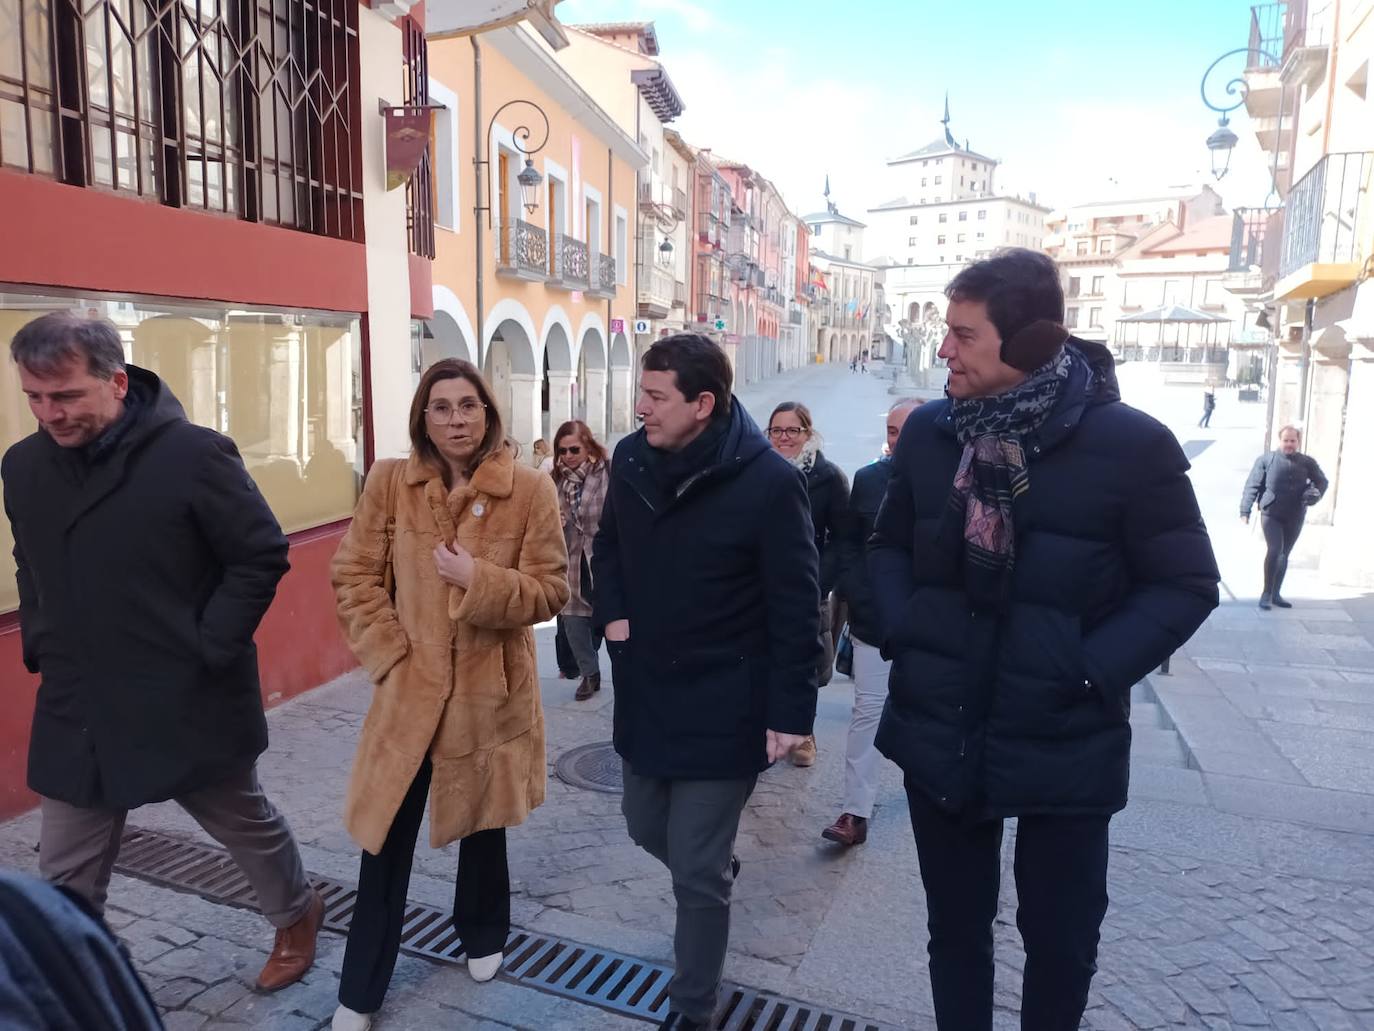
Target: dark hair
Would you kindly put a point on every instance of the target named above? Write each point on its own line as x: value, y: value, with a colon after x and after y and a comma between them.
x: 579, y: 429
x: 798, y: 409
x: 700, y: 365
x: 1018, y: 286
x: 454, y: 368
x: 47, y: 343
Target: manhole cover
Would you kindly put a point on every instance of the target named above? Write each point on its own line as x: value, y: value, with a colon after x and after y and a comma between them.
x: 595, y: 767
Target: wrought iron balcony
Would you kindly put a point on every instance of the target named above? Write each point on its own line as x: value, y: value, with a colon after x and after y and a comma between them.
x: 571, y: 266
x: 679, y: 294
x: 524, y: 251
x: 679, y: 202
x: 1327, y: 226
x: 1255, y: 235
x: 1266, y: 34
x: 795, y: 316
x: 603, y: 276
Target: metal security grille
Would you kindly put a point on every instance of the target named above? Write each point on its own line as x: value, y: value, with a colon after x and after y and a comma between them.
x: 598, y: 977
x: 244, y: 107
x: 420, y: 186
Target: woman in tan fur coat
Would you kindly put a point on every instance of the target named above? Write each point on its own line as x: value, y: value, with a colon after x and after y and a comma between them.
x: 473, y: 543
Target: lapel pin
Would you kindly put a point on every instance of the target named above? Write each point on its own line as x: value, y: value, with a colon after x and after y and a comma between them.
x: 479, y: 510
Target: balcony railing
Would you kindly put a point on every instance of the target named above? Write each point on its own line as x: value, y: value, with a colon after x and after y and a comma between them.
x: 679, y: 294
x: 795, y: 316
x: 570, y: 262
x: 603, y: 276
x: 524, y: 250
x: 1305, y: 24
x: 1249, y: 231
x: 680, y: 202
x: 656, y: 291
x: 1325, y: 211
x: 1266, y: 34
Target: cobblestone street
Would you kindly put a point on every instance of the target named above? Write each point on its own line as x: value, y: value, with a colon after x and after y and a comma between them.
x: 1242, y: 872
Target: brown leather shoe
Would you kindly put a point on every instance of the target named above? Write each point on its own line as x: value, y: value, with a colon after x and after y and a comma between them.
x: 589, y: 686
x: 805, y: 753
x: 294, y: 950
x: 848, y: 830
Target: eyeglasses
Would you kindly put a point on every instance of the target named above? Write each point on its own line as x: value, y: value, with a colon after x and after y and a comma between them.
x: 468, y: 410
x: 790, y: 432
x: 576, y: 449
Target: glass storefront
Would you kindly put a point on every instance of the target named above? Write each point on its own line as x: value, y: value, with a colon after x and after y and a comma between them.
x: 286, y: 386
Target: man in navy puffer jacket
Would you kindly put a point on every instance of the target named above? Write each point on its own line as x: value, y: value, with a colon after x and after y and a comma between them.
x: 1039, y: 550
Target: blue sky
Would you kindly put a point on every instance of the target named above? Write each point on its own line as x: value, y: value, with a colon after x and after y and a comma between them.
x: 1079, y: 98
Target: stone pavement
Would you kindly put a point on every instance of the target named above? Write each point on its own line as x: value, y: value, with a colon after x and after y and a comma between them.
x: 1221, y: 916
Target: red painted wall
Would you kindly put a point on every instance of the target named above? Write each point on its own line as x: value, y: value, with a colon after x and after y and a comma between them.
x: 299, y: 647
x: 87, y: 239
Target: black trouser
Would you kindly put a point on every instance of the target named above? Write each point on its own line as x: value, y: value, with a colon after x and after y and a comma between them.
x: 1280, y: 534
x: 481, y: 901
x: 567, y: 661
x: 1061, y: 888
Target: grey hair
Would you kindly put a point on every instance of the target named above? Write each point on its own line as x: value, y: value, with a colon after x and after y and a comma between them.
x: 49, y: 342
x: 906, y: 402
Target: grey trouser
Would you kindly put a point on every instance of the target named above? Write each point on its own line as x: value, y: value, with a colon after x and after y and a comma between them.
x: 77, y: 847
x: 689, y: 826
x: 861, y: 758
x: 578, y: 631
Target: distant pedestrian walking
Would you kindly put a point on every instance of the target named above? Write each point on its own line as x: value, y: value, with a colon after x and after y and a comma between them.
x: 792, y: 434
x: 706, y: 584
x: 1038, y: 551
x: 1209, y: 405
x: 146, y: 558
x: 583, y: 475
x: 871, y: 670
x: 453, y: 554
x: 1284, y: 483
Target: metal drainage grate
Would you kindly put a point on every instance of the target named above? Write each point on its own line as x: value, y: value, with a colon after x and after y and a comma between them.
x: 613, y: 981
x: 595, y: 767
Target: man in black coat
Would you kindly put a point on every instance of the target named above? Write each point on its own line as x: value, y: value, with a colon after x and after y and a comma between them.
x: 870, y: 670
x: 146, y: 558
x: 706, y: 584
x: 1039, y: 551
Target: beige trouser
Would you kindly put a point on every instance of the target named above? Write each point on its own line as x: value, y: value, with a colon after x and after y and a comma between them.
x: 77, y: 847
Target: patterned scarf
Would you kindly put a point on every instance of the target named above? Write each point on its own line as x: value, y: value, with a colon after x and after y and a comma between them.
x: 570, y: 484
x: 992, y: 473
x: 806, y: 457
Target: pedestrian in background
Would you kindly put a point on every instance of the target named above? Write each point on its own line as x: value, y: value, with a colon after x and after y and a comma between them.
x: 1284, y: 483
x: 146, y: 557
x: 793, y: 435
x: 582, y: 475
x: 871, y: 670
x: 454, y: 553
x: 1209, y: 405
x: 1039, y: 550
x: 706, y: 584
x: 542, y: 456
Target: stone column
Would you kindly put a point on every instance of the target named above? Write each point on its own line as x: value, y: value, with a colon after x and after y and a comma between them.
x: 1326, y: 412
x: 1348, y: 557
x: 622, y: 398
x: 594, y: 398
x: 1288, y: 382
x: 560, y: 398
x: 525, y: 410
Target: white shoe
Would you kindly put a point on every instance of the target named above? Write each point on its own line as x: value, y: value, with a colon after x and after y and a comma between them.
x: 483, y: 968
x: 346, y: 1019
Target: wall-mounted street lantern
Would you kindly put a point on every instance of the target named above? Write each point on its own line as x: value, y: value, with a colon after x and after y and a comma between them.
x: 1223, y: 139
x: 529, y: 178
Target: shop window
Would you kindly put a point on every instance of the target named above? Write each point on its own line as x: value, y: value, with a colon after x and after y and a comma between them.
x: 287, y: 388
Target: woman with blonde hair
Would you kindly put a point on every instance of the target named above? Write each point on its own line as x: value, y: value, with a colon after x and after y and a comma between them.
x: 453, y: 555
x: 582, y: 473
